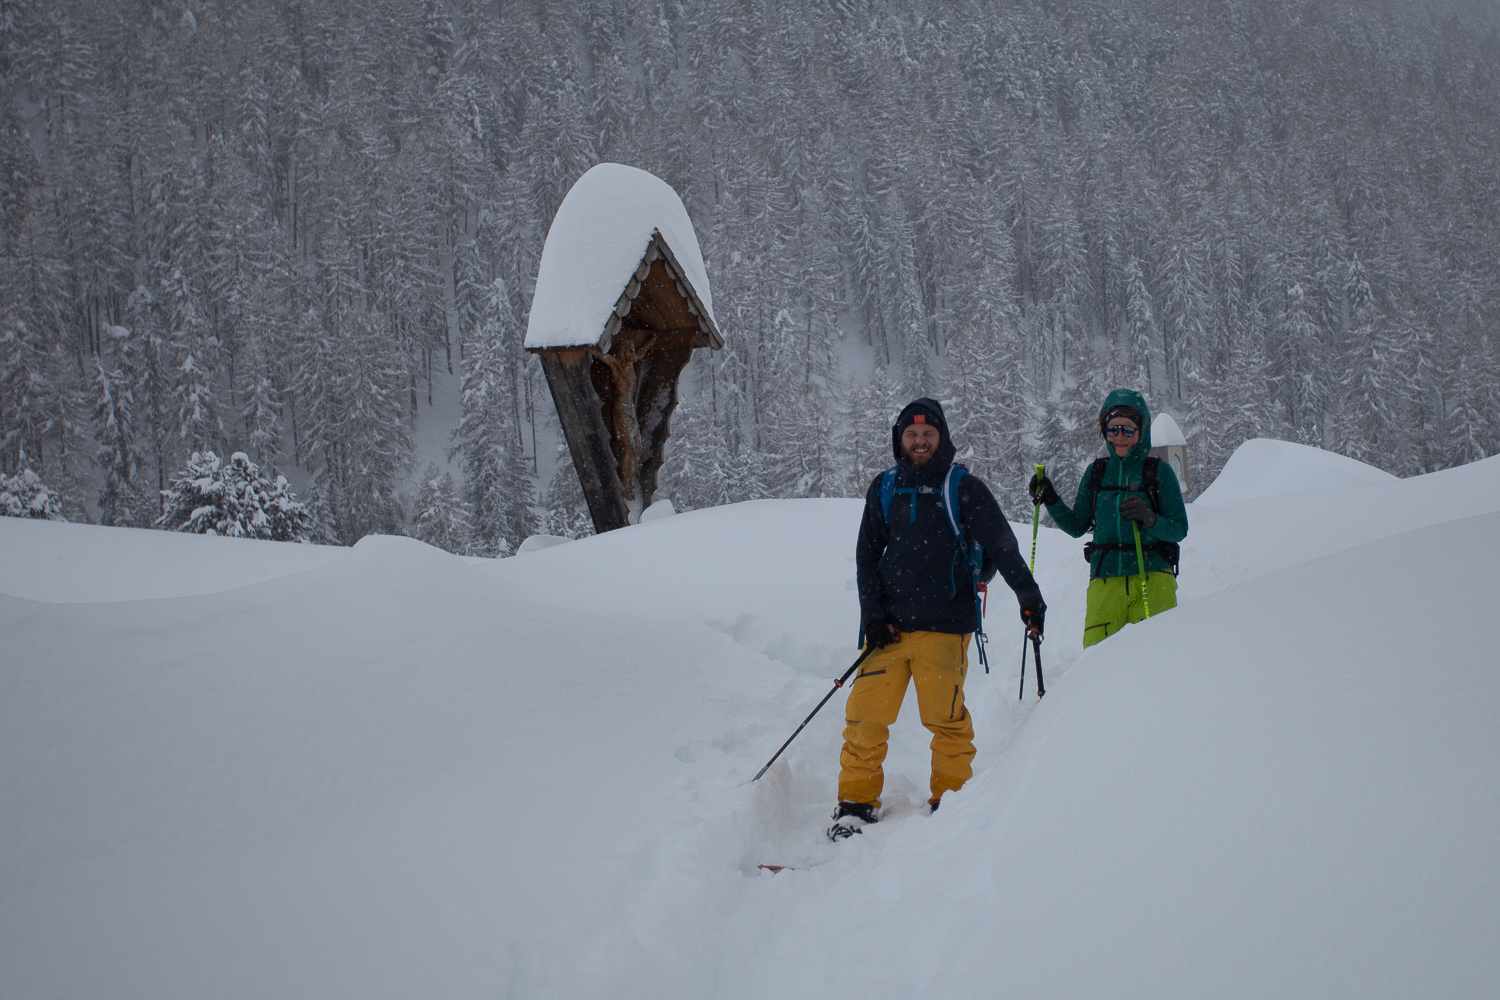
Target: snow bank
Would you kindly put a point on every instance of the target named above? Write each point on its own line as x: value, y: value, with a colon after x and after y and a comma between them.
x: 1237, y: 541
x: 595, y: 244
x: 369, y: 779
x: 79, y: 563
x: 1283, y: 790
x: 400, y: 773
x: 1262, y: 467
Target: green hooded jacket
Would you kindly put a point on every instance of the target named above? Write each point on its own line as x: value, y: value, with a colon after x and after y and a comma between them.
x: 1102, y: 512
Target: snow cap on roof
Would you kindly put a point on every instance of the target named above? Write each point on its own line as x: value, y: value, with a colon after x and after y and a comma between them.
x: 596, y: 242
x: 1165, y: 432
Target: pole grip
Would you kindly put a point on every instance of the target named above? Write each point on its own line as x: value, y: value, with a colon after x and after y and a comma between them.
x: 1036, y: 517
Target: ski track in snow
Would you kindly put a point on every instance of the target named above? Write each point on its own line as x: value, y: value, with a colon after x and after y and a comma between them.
x: 385, y: 771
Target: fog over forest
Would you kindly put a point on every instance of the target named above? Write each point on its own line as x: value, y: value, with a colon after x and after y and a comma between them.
x: 271, y: 226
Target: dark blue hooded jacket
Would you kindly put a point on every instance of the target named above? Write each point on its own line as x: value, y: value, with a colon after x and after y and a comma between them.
x: 911, y: 572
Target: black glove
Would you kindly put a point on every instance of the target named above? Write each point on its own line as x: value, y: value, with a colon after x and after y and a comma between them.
x: 1042, y: 492
x: 879, y: 635
x: 1136, y: 509
x: 1033, y: 615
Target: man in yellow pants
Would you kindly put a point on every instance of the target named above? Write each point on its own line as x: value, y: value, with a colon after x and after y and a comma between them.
x: 918, y: 610
x: 938, y: 662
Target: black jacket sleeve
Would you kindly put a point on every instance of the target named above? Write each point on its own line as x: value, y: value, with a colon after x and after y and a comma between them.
x: 986, y: 523
x: 874, y: 536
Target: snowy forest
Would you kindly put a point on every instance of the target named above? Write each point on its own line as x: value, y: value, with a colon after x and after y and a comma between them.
x: 273, y: 226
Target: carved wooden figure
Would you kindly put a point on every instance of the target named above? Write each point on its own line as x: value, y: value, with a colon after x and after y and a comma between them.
x: 624, y: 364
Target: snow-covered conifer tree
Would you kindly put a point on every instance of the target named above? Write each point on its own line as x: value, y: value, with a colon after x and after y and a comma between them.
x: 565, y: 512
x: 25, y: 495
x: 987, y: 411
x: 974, y: 412
x: 441, y: 517
x: 261, y: 398
x: 1379, y: 387
x: 372, y: 440
x: 1052, y: 445
x: 1300, y: 369
x: 195, y: 416
x: 497, y: 475
x: 693, y: 474
x: 234, y: 499
x: 1143, y: 335
x: 123, y: 498
x: 872, y: 410
x: 252, y: 176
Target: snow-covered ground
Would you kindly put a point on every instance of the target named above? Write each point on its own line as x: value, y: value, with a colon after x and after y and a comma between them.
x: 1266, y: 468
x: 244, y: 769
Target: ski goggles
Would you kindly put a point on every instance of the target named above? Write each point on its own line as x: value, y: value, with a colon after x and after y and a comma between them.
x: 1121, y: 430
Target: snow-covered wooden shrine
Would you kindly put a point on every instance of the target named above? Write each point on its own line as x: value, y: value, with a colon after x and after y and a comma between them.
x: 1168, y: 444
x: 621, y: 303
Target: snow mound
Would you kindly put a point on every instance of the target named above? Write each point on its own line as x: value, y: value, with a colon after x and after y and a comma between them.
x: 536, y: 543
x: 1262, y: 467
x: 61, y: 563
x: 595, y: 244
x: 659, y: 509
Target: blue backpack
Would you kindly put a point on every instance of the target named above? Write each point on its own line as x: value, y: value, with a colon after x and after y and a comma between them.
x: 971, y: 551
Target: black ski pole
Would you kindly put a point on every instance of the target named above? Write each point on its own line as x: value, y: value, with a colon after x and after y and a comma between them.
x: 836, y: 685
x: 1036, y: 649
x: 1021, y: 691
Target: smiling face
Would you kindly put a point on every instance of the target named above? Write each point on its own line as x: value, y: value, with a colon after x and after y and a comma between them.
x: 1122, y: 434
x: 919, y: 442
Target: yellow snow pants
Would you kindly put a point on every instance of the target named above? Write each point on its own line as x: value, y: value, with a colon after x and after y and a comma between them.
x: 1116, y: 602
x: 937, y: 662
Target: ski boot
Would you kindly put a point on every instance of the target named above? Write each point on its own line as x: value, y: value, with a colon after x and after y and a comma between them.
x: 851, y: 818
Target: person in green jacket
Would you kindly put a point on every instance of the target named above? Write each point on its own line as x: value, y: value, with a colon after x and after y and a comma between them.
x: 1115, y: 510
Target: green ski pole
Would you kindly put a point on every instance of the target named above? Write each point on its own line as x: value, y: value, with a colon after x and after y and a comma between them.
x: 1036, y: 516
x: 1140, y: 562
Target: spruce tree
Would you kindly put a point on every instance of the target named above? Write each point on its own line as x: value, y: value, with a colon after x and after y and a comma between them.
x: 25, y: 495
x: 234, y: 499
x: 497, y: 475
x: 441, y: 516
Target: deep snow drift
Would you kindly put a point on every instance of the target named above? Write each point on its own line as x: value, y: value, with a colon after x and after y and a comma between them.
x: 389, y: 772
x: 1265, y: 468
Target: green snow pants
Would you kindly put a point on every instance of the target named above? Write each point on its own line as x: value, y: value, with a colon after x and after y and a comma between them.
x: 1116, y: 602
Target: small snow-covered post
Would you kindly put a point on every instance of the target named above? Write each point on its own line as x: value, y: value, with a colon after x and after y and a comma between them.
x: 621, y: 303
x: 1168, y: 444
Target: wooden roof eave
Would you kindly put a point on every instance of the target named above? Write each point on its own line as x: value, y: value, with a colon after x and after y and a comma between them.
x: 685, y: 287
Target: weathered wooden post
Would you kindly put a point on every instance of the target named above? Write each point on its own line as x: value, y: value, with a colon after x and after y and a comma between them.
x: 621, y: 303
